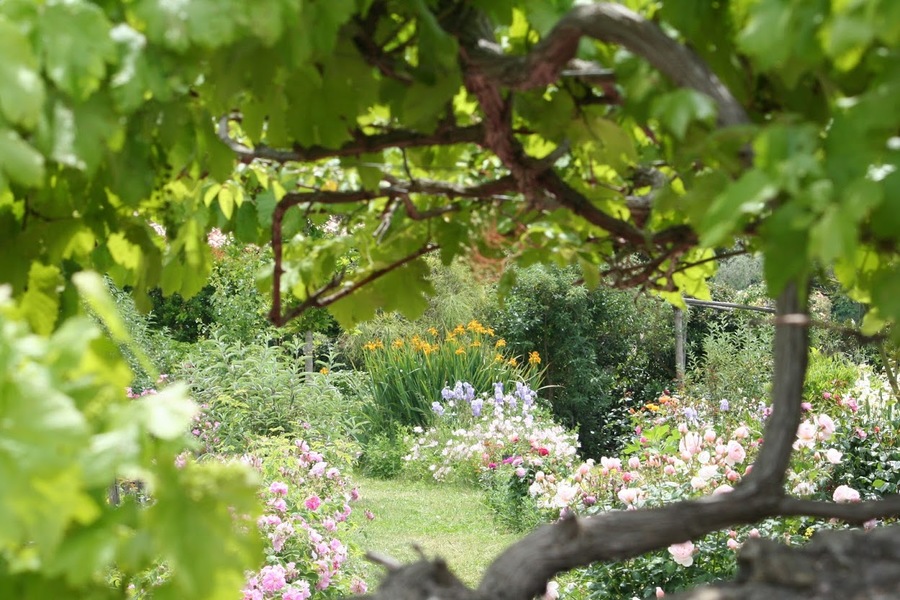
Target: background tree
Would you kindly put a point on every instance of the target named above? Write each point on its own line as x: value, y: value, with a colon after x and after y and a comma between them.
x: 630, y: 143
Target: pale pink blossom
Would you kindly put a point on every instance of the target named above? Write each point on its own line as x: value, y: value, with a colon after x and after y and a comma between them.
x: 845, y: 493
x: 279, y: 488
x: 660, y: 593
x: 689, y: 445
x: 722, y: 489
x: 630, y: 495
x: 683, y: 553
x: 733, y: 544
x: 741, y: 433
x: 564, y: 495
x: 215, y: 238
x: 709, y: 436
x: 736, y: 453
x: 611, y: 463
x: 826, y: 426
x: 806, y: 435
x: 552, y: 592
x: 634, y: 463
x: 833, y: 456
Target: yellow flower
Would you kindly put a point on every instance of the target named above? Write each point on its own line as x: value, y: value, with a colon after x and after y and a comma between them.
x: 459, y: 330
x: 513, y: 362
x: 398, y: 343
x: 498, y: 358
x: 476, y: 327
x: 432, y: 331
x: 373, y: 345
x: 652, y: 407
x: 460, y: 350
x: 500, y: 343
x: 534, y: 358
x: 324, y: 370
x: 429, y: 348
x: 490, y: 331
x: 475, y: 344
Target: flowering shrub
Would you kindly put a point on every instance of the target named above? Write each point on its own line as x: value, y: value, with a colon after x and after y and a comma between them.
x: 684, y: 448
x: 308, y: 501
x: 504, y: 441
x: 406, y: 372
x: 476, y: 433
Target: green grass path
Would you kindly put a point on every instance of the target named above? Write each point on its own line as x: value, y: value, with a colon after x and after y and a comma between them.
x: 444, y: 520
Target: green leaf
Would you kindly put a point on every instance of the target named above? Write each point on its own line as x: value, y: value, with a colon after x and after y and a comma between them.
x: 135, y: 78
x: 382, y: 295
x: 885, y: 221
x: 226, y: 201
x: 785, y: 246
x: 328, y: 18
x: 80, y: 134
x: 746, y: 196
x: 424, y: 105
x: 76, y: 43
x: 245, y: 227
x: 846, y: 38
x: 21, y: 87
x: 437, y: 49
x: 203, y: 499
x: 19, y: 162
x: 95, y: 293
x: 677, y: 110
x: 40, y: 303
x: 602, y: 141
x: 265, y: 208
x: 168, y: 413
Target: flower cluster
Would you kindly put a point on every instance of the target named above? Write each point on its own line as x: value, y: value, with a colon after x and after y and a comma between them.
x: 478, y: 433
x: 684, y: 448
x: 308, y: 502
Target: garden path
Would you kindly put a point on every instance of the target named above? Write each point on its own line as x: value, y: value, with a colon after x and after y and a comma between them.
x: 450, y: 521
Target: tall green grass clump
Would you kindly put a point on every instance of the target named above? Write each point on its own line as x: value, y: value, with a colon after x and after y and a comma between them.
x: 409, y: 373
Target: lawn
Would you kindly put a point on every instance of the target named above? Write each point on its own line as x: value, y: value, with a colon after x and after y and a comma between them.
x: 444, y: 520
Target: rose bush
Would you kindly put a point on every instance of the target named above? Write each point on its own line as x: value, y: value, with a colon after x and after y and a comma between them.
x: 308, y: 500
x: 686, y: 447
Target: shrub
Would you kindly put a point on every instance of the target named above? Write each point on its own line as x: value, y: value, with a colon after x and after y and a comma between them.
x: 248, y: 390
x: 383, y: 454
x: 735, y: 364
x: 603, y: 349
x: 407, y: 372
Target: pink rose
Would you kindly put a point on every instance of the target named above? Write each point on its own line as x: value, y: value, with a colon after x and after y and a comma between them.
x: 683, y: 553
x: 845, y: 493
x: 313, y: 503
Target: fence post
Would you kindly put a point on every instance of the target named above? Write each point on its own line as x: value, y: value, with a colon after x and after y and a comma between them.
x: 680, y: 334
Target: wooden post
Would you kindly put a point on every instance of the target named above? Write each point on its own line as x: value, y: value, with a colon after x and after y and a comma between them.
x: 680, y: 334
x: 308, y: 351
